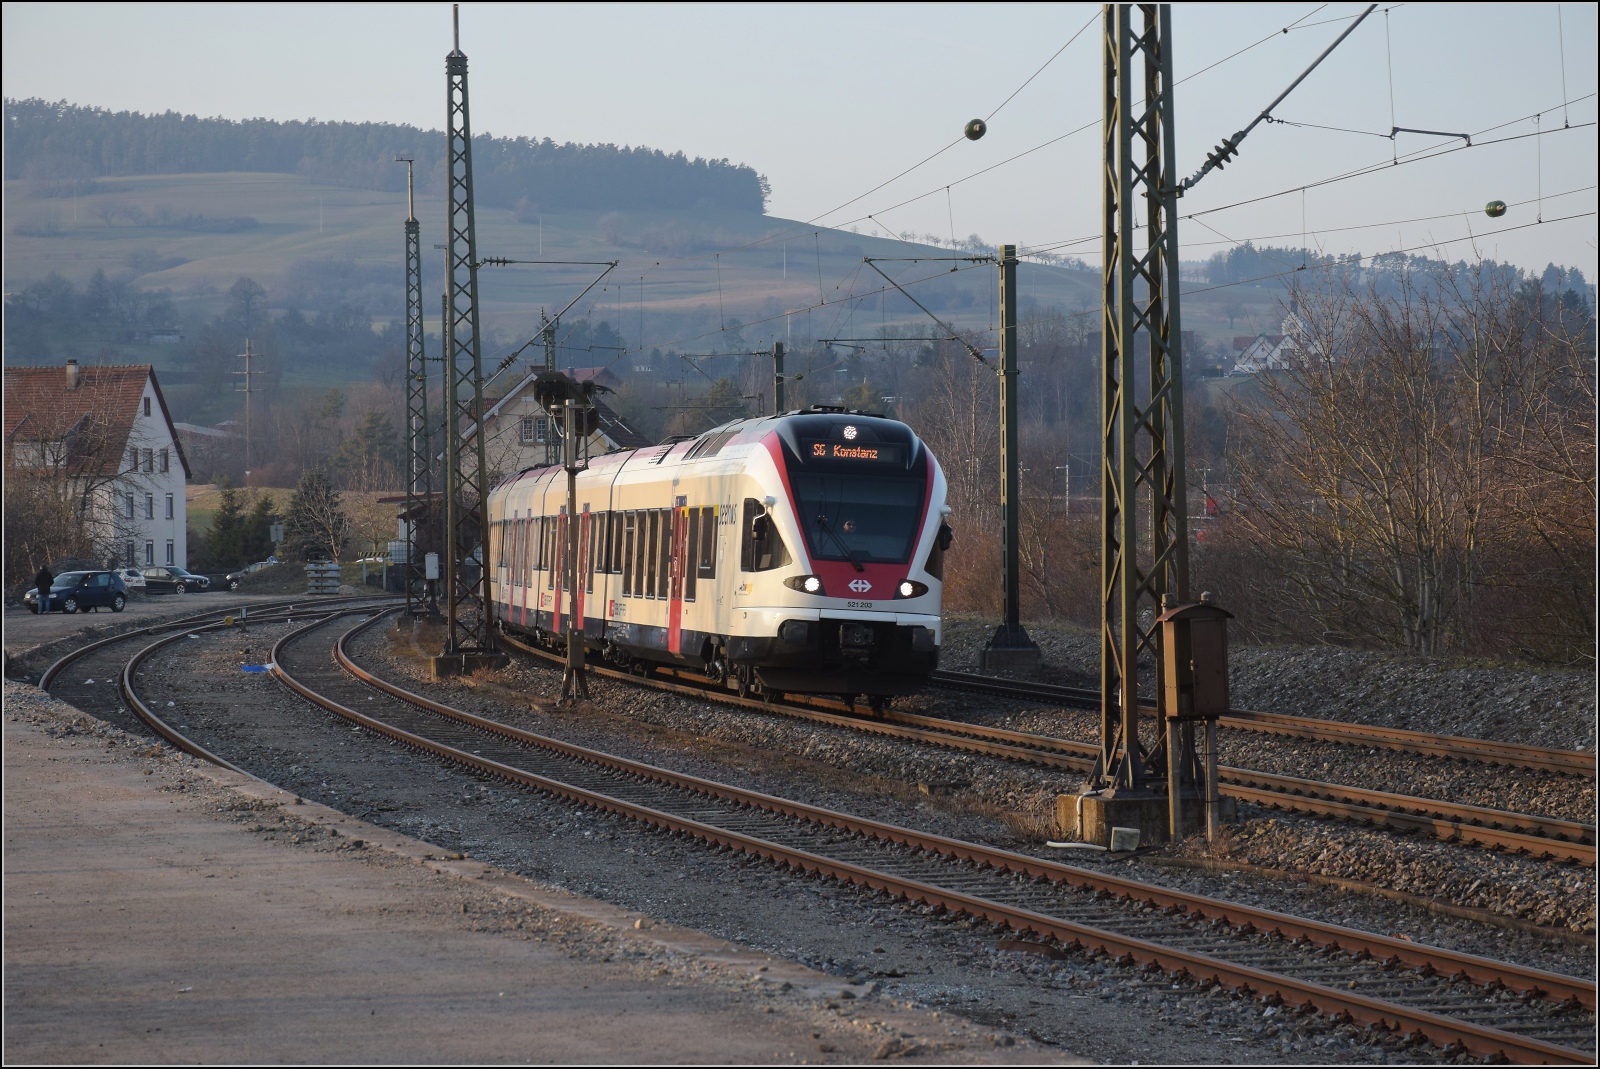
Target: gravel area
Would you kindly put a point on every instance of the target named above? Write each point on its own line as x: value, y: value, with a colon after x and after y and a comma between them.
x: 1508, y: 702
x: 908, y: 955
x: 1542, y: 793
x: 373, y: 922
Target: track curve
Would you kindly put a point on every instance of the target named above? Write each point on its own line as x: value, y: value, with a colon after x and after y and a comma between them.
x: 1449, y: 998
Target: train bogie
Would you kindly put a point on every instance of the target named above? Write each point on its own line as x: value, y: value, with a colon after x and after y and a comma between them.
x: 796, y: 553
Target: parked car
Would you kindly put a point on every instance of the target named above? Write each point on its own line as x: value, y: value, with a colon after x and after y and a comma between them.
x: 194, y: 580
x: 248, y: 569
x: 72, y: 591
x: 132, y: 578
x: 173, y: 580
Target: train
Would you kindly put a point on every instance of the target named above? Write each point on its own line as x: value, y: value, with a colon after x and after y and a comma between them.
x: 798, y: 553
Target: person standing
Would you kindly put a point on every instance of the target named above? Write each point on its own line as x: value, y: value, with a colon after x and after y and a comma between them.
x: 43, y: 581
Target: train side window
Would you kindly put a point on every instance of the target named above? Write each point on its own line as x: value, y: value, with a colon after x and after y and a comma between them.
x: 664, y: 555
x: 691, y: 553
x: 551, y: 559
x: 630, y: 523
x: 707, y: 563
x: 519, y: 561
x: 535, y: 544
x: 592, y: 547
x: 616, y: 543
x: 653, y: 523
x: 509, y: 532
x: 761, y: 549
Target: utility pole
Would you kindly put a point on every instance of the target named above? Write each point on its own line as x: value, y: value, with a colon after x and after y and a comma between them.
x: 576, y: 420
x: 777, y: 378
x: 1010, y: 647
x: 419, y: 463
x: 247, y: 373
x: 470, y: 641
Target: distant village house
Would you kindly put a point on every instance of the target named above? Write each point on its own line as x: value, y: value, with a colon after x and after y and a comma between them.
x: 104, y: 437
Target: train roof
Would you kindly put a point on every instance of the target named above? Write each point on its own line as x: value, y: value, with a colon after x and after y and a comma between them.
x: 735, y: 436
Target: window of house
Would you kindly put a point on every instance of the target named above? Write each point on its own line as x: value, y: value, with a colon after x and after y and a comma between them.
x: 170, y: 558
x: 149, y: 554
x: 147, y: 406
x: 165, y: 460
x: 128, y: 554
x: 149, y: 506
x: 133, y: 458
x: 130, y: 506
x: 169, y: 506
x: 542, y: 429
x: 149, y: 460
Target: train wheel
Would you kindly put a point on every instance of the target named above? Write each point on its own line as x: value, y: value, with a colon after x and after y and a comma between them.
x: 878, y: 703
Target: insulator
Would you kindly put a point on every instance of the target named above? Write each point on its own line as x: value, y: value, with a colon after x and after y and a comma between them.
x: 1495, y: 209
x: 976, y: 129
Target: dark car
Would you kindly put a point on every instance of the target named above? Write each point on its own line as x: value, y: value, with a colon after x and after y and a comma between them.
x: 234, y: 578
x: 173, y: 580
x: 72, y: 591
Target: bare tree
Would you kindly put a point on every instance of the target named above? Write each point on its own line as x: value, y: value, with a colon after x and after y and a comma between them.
x: 1421, y: 451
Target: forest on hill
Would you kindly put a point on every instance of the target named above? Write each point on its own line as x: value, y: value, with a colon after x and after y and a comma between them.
x: 69, y: 145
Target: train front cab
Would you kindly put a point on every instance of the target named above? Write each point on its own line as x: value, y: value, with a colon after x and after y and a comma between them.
x: 846, y: 564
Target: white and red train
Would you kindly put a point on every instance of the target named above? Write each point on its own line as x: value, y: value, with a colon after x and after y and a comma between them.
x: 798, y: 553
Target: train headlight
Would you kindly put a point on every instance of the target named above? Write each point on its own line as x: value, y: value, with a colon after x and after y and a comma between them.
x: 808, y: 584
x: 909, y: 588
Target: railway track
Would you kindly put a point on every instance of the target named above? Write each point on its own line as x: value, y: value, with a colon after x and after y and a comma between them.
x: 98, y: 678
x: 1456, y: 1001
x: 1449, y: 821
x: 1485, y: 751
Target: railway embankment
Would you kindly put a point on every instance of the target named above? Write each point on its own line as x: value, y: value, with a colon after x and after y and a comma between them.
x: 1510, y: 702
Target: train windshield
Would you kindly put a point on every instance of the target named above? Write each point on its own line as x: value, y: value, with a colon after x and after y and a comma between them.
x: 856, y: 516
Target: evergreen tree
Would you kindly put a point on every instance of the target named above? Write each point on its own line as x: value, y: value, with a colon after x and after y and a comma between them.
x: 316, y: 527
x: 256, y: 536
x: 225, y: 539
x: 371, y: 455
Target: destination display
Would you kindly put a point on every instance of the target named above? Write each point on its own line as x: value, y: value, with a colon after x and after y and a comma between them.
x: 862, y: 452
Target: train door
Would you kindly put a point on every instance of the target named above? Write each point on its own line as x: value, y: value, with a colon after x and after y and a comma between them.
x: 678, y: 563
x: 581, y: 575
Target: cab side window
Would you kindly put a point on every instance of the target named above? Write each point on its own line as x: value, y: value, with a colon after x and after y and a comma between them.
x: 761, y: 548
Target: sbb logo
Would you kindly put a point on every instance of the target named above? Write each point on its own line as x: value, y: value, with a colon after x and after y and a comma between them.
x: 860, y: 586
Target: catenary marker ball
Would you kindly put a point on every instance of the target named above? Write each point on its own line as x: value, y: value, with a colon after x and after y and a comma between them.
x: 976, y: 129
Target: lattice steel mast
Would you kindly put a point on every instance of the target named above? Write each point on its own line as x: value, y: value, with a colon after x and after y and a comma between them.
x: 1142, y: 430
x: 468, y: 588
x: 419, y: 462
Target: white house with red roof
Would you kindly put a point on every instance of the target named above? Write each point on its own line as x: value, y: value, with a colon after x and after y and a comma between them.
x: 107, y: 433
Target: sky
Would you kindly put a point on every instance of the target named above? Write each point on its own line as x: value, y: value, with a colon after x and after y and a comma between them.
x: 831, y: 102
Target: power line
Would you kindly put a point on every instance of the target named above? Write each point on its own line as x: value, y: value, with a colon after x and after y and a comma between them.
x: 1418, y: 156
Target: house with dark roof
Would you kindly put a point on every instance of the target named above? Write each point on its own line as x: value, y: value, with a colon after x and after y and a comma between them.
x: 518, y: 429
x: 105, y: 433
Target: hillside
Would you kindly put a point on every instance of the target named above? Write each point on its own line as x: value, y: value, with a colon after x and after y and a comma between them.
x: 315, y: 246
x: 64, y: 146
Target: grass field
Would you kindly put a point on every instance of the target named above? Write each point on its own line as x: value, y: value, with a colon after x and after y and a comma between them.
x: 374, y: 523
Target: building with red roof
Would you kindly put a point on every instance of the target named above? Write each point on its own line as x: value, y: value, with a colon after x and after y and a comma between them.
x: 105, y: 433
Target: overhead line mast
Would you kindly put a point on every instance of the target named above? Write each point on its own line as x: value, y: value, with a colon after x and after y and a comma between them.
x: 470, y: 638
x: 419, y: 455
